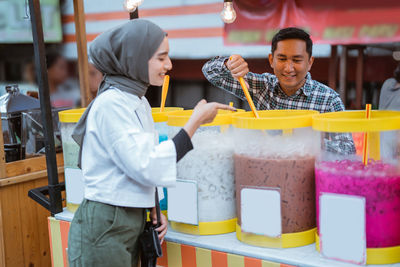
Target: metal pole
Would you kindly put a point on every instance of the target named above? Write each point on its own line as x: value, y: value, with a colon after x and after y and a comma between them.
x: 54, y: 188
x: 343, y: 74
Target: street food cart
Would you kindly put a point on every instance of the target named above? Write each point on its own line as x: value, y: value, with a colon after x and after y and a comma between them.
x: 183, y: 249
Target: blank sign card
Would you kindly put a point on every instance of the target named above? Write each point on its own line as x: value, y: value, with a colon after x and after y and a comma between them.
x: 342, y: 227
x: 182, y: 202
x: 261, y: 211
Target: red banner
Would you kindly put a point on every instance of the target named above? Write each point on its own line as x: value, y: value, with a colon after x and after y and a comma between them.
x: 327, y: 21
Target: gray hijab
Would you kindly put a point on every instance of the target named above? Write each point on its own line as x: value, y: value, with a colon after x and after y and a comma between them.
x: 122, y: 55
x: 390, y: 95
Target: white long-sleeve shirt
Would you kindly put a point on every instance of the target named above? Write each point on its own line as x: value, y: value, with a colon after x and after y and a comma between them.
x: 122, y: 161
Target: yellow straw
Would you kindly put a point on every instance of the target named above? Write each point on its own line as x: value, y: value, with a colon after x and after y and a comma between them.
x: 164, y: 92
x: 231, y: 105
x: 247, y: 94
x: 365, y: 139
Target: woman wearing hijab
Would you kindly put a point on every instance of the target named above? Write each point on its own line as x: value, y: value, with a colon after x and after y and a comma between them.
x: 120, y: 158
x: 390, y: 92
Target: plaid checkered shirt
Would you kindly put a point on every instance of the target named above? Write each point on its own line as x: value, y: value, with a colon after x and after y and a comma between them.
x: 267, y: 94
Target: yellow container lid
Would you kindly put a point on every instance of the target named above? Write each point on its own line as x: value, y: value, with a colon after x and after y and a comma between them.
x: 224, y: 117
x: 274, y: 119
x: 159, y: 116
x: 71, y: 115
x: 355, y: 121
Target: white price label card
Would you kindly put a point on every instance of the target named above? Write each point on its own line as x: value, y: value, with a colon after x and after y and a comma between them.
x: 261, y: 211
x: 74, y: 185
x: 342, y: 227
x: 182, y: 202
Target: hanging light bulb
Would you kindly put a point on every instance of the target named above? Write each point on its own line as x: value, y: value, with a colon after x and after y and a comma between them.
x: 228, y: 14
x: 131, y: 5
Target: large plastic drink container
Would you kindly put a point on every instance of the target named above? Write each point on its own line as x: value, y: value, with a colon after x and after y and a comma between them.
x: 207, y: 205
x: 341, y: 173
x: 274, y: 174
x: 73, y: 174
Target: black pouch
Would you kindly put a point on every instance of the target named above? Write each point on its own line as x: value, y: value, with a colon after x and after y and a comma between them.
x: 150, y: 247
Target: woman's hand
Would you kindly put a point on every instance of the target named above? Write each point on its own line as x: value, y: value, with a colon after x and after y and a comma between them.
x: 162, y: 230
x: 203, y: 113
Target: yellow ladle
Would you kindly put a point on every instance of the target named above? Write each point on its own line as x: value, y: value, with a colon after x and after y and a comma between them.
x: 247, y: 95
x: 164, y: 92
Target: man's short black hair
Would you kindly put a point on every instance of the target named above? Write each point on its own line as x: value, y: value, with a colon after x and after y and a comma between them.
x: 292, y: 33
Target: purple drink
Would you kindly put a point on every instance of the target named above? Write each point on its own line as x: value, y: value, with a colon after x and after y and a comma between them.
x: 379, y: 183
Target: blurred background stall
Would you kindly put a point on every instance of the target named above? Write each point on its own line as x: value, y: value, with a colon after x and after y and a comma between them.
x: 354, y: 54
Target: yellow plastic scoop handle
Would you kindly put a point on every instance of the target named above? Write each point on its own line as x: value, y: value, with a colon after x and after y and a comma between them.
x: 164, y: 92
x: 248, y: 97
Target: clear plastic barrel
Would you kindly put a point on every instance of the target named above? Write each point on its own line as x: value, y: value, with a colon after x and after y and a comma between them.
x: 210, y: 164
x: 275, y: 154
x: 360, y: 158
x: 73, y: 174
x: 340, y: 168
x: 209, y: 168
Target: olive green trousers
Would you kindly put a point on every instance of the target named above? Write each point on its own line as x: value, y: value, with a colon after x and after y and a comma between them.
x: 105, y: 235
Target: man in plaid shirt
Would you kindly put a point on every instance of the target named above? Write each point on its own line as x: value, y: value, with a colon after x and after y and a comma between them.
x: 290, y: 88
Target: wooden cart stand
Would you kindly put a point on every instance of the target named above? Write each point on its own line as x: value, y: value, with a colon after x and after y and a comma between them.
x: 24, y: 238
x: 24, y: 232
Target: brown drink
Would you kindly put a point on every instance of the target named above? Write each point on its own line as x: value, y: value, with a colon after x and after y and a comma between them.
x: 294, y: 177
